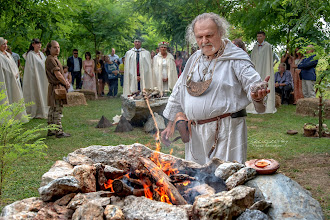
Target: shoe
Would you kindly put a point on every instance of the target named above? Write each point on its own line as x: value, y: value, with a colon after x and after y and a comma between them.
x: 50, y: 133
x: 63, y: 135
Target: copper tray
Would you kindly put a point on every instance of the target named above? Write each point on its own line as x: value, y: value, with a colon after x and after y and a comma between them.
x: 271, y: 168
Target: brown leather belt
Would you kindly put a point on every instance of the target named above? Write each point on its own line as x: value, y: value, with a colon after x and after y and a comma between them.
x: 200, y: 122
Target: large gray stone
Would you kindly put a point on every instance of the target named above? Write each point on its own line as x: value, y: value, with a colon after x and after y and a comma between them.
x: 100, y: 198
x: 25, y: 215
x: 33, y: 204
x: 253, y: 215
x: 85, y: 174
x: 58, y: 188
x: 223, y: 205
x: 149, y: 126
x: 225, y: 170
x: 141, y: 208
x: 289, y: 200
x: 112, y: 212
x: 240, y: 177
x: 88, y: 211
x: 59, y: 169
x: 78, y: 159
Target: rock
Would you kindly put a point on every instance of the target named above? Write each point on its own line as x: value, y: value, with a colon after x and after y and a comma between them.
x: 212, y: 165
x: 25, y: 215
x: 149, y: 126
x: 123, y: 125
x: 94, y: 197
x: 112, y: 173
x: 104, y: 123
x: 289, y: 200
x: 75, y: 99
x: 240, y: 177
x: 310, y: 107
x: 58, y: 188
x: 78, y: 159
x: 59, y: 169
x: 138, y: 112
x: 52, y: 211
x: 260, y: 205
x: 85, y: 174
x: 223, y: 205
x: 253, y: 214
x: 65, y: 199
x: 33, y: 204
x: 89, y: 211
x: 112, y: 212
x: 225, y: 170
x: 141, y: 208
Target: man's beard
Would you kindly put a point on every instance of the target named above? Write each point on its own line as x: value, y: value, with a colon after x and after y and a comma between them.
x: 209, y: 44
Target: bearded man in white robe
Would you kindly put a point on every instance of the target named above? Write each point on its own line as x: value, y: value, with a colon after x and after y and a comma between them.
x: 9, y: 77
x: 262, y: 57
x: 137, y: 70
x: 35, y: 83
x: 224, y: 77
x: 164, y: 68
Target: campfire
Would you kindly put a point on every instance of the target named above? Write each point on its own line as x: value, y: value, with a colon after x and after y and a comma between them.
x: 158, y: 179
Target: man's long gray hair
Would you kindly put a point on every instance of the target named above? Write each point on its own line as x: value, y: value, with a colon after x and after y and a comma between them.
x: 221, y: 23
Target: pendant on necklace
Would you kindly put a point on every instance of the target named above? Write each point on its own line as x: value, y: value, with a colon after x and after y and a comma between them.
x: 205, y: 71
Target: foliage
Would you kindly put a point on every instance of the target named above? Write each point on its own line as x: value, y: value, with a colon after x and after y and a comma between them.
x: 15, y: 141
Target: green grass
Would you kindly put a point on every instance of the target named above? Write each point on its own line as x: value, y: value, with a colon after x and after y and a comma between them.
x: 267, y: 138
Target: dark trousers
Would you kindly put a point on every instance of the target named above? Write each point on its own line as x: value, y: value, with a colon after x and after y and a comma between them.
x: 113, y: 87
x: 121, y: 77
x: 77, y: 76
x: 284, y: 92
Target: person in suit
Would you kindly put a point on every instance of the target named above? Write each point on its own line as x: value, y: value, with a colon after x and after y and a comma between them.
x: 75, y: 64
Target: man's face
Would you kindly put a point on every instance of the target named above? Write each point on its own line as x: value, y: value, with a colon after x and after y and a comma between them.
x: 55, y: 49
x: 311, y: 50
x: 207, y: 36
x: 3, y: 47
x: 113, y: 51
x: 260, y: 38
x: 75, y: 54
x: 163, y: 49
x: 137, y: 44
x: 281, y: 68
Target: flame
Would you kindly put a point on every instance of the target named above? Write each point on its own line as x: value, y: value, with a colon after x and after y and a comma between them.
x: 185, y: 183
x: 147, y: 192
x: 171, y: 152
x: 108, y: 185
x: 162, y: 193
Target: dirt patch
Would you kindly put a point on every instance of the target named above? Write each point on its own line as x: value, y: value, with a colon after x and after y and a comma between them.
x: 312, y: 171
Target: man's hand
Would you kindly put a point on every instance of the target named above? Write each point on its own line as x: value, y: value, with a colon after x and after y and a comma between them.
x: 276, y: 85
x: 67, y: 85
x: 165, y: 135
x: 260, y: 94
x: 165, y: 79
x: 138, y: 78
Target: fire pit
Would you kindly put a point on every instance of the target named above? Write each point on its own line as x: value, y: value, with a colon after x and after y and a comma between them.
x: 134, y: 182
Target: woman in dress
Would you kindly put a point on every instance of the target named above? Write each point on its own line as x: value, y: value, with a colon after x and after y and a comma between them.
x: 297, y: 91
x: 178, y: 62
x: 89, y: 75
x: 9, y: 78
x: 35, y: 83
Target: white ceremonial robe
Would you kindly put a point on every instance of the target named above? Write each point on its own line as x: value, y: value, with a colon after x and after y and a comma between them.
x: 35, y: 85
x: 229, y: 92
x: 262, y: 57
x: 9, y: 75
x: 158, y: 70
x: 130, y: 71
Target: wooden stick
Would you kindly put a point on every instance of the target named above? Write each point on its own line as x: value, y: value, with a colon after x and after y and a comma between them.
x: 162, y: 179
x: 121, y: 189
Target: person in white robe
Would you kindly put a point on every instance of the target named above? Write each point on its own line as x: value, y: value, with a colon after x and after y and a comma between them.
x: 35, y: 83
x: 216, y: 115
x: 262, y: 57
x: 9, y: 78
x: 137, y: 70
x: 164, y: 69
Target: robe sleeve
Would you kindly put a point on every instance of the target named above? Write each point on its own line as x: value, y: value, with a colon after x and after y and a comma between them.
x: 246, y: 75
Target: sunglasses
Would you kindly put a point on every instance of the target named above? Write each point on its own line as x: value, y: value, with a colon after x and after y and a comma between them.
x: 75, y: 53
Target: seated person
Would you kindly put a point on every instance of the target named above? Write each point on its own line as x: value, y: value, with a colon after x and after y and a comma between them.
x: 283, y: 83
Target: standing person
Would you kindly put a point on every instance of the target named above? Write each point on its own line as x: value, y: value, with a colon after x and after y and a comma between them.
x: 89, y: 75
x: 178, y: 63
x: 112, y: 71
x: 308, y: 75
x: 121, y: 71
x: 283, y: 83
x: 9, y: 76
x: 113, y: 56
x: 138, y: 73
x: 239, y: 43
x: 35, y: 84
x: 75, y: 64
x: 16, y: 56
x: 212, y: 92
x: 298, y: 94
x: 99, y: 73
x: 287, y: 59
x: 262, y: 57
x: 164, y: 69
x: 57, y: 82
x: 68, y: 77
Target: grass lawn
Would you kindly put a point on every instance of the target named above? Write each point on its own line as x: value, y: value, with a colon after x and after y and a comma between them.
x: 306, y: 160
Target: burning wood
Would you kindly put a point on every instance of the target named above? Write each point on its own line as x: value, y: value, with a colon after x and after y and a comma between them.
x: 163, y: 180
